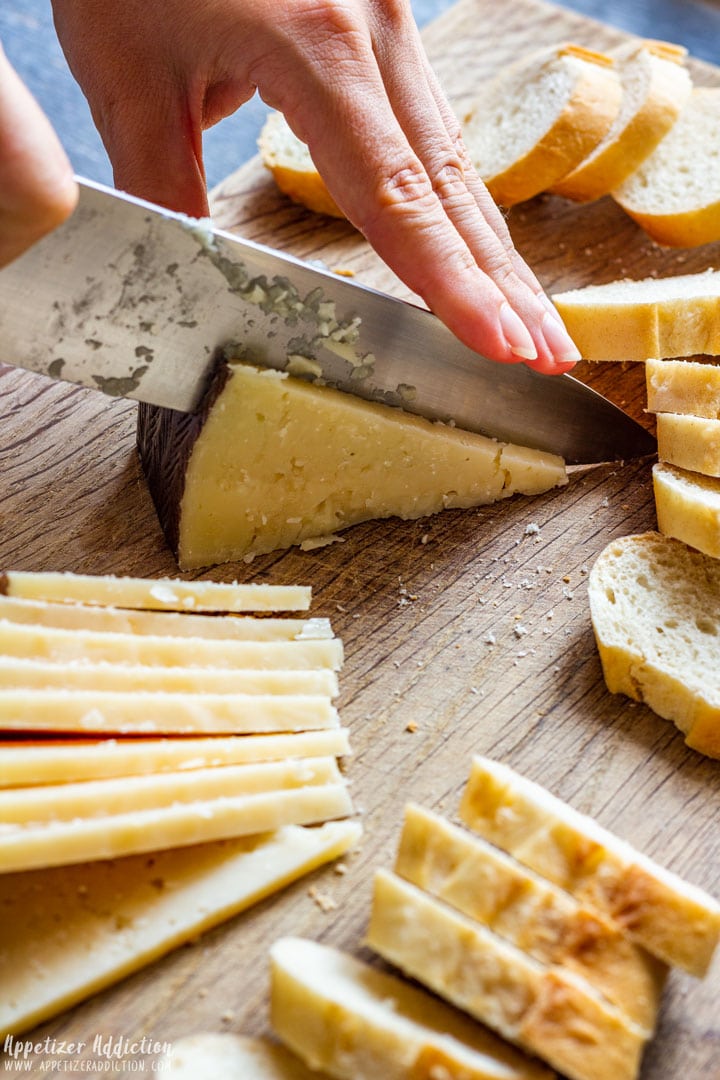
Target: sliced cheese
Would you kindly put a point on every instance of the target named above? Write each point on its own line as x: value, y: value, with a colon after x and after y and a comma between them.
x: 279, y: 461
x: 61, y: 646
x: 690, y: 442
x: 164, y: 594
x: 28, y: 674
x: 683, y: 386
x: 169, y: 623
x: 211, y: 1056
x: 30, y: 806
x: 688, y: 507
x: 68, y: 932
x: 357, y: 1023
x: 141, y: 713
x: 546, y: 1012
x: 674, y: 920
x: 88, y: 839
x: 53, y: 761
x: 481, y: 882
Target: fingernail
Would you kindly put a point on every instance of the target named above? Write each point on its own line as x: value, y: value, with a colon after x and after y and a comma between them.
x: 562, y: 346
x: 549, y: 306
x: 516, y: 333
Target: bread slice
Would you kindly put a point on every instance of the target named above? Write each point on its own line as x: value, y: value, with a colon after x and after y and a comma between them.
x: 655, y: 86
x: 653, y: 318
x: 676, y: 921
x: 655, y: 606
x: 488, y: 886
x: 215, y: 1056
x: 683, y: 386
x: 688, y: 507
x: 691, y: 442
x: 353, y: 1022
x: 292, y: 167
x: 539, y: 119
x: 547, y: 1012
x: 675, y: 194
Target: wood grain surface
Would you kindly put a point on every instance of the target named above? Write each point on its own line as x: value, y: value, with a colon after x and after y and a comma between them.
x: 432, y: 613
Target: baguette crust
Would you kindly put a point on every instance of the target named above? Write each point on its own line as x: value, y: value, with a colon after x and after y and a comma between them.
x: 688, y: 507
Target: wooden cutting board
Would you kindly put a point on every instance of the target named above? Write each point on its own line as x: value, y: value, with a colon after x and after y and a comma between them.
x: 417, y: 605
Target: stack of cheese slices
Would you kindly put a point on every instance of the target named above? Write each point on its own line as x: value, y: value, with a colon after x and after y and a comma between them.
x: 655, y: 600
x: 578, y: 123
x: 154, y: 716
x: 532, y: 919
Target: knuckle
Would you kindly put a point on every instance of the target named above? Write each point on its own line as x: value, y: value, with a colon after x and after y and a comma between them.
x: 407, y: 185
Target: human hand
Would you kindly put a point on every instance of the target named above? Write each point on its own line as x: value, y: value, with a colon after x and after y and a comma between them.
x: 37, y: 189
x: 353, y: 80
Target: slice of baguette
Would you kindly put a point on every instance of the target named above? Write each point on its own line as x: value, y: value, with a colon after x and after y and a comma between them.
x: 288, y: 160
x: 674, y: 920
x: 690, y: 442
x: 490, y: 887
x: 655, y: 86
x: 675, y: 194
x: 683, y: 386
x: 655, y: 607
x: 539, y: 118
x: 546, y: 1012
x: 688, y: 507
x: 652, y: 318
x: 356, y: 1023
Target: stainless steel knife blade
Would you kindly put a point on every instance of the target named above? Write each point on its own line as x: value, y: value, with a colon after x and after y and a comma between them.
x: 136, y: 301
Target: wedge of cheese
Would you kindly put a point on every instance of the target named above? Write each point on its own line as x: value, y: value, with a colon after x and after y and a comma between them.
x: 62, y: 646
x: 674, y: 920
x: 211, y: 1056
x: 53, y: 761
x: 481, y: 882
x: 690, y: 442
x: 164, y: 594
x: 143, y: 713
x: 68, y: 932
x: 688, y: 507
x: 169, y: 623
x: 547, y: 1012
x: 356, y: 1023
x: 683, y: 386
x: 57, y: 843
x: 275, y: 461
x: 28, y: 674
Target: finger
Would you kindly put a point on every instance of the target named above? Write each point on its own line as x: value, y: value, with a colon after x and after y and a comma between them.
x: 37, y: 188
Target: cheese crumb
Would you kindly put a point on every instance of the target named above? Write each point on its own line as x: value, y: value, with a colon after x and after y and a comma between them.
x: 325, y: 902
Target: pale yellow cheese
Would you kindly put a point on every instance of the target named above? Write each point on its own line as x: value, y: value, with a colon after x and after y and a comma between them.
x: 53, y: 761
x: 683, y: 386
x: 88, y: 839
x: 280, y: 461
x: 61, y: 646
x: 164, y: 594
x: 545, y: 1011
x: 674, y: 920
x: 690, y: 442
x: 75, y: 801
x: 28, y: 674
x: 357, y: 1023
x: 170, y: 623
x: 147, y: 713
x: 481, y: 882
x: 213, y: 1056
x: 68, y: 932
x: 688, y: 507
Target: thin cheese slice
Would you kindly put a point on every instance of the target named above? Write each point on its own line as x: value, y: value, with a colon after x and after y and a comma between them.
x: 674, y: 920
x: 687, y: 505
x: 164, y: 594
x: 168, y: 623
x: 68, y: 932
x: 30, y: 806
x: 683, y: 386
x: 481, y: 882
x: 52, y: 761
x: 548, y: 1013
x: 358, y: 1023
x: 140, y: 713
x: 211, y: 1056
x: 28, y: 674
x: 89, y: 839
x: 690, y: 442
x: 62, y: 646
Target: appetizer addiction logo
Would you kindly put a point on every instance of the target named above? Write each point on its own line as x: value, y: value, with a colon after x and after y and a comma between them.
x: 104, y: 1054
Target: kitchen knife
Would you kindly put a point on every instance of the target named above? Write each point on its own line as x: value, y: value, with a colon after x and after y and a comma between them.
x: 137, y: 301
